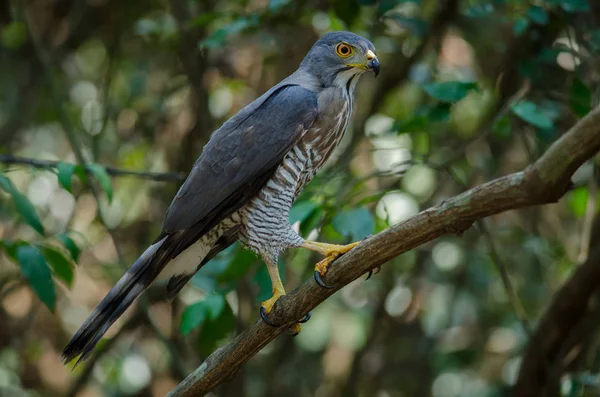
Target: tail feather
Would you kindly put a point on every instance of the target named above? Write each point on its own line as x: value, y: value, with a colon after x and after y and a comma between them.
x: 119, y: 298
x: 176, y: 283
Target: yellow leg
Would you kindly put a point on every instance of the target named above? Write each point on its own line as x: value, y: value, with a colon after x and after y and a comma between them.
x: 330, y: 251
x: 278, y: 292
x: 278, y: 289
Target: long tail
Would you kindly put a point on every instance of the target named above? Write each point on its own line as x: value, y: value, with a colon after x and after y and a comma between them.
x: 119, y: 298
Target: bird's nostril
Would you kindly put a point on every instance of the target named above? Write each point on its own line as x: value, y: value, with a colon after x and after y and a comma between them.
x: 370, y: 55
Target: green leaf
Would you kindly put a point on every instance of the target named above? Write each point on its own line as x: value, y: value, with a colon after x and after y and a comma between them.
x: 193, y: 316
x: 218, y: 38
x: 214, y: 305
x: 356, y: 223
x: 22, y: 204
x: 204, y: 19
x: 416, y: 26
x: 215, y: 330
x: 578, y: 200
x: 449, y: 91
x: 520, y: 26
x: 6, y: 184
x: 70, y: 245
x: 346, y: 10
x: 302, y: 210
x: 13, y: 35
x: 501, y: 128
x: 385, y: 5
x: 103, y: 179
x: 65, y: 172
x: 581, y: 98
x: 575, y: 5
x: 440, y: 112
x: 416, y: 123
x: 208, y: 309
x: 27, y: 211
x: 276, y: 5
x: 81, y: 173
x: 538, y: 15
x: 239, y: 263
x: 37, y: 273
x: 531, y: 113
x: 62, y: 267
x: 311, y: 222
x: 11, y: 247
x: 479, y: 10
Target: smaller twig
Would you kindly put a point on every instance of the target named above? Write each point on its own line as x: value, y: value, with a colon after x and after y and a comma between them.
x: 513, y: 298
x: 49, y: 164
x: 512, y: 295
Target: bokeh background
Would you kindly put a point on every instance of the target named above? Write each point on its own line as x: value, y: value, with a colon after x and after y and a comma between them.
x: 469, y: 90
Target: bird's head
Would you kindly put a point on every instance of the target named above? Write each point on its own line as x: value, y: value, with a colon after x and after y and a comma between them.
x: 338, y: 57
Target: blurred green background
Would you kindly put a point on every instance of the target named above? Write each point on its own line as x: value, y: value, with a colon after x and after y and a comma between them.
x: 469, y: 90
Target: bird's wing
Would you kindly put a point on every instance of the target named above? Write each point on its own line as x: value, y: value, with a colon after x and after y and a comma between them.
x: 240, y: 158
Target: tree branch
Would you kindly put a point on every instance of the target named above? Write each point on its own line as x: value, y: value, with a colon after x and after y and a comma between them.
x: 545, y: 181
x: 545, y: 358
x: 48, y: 164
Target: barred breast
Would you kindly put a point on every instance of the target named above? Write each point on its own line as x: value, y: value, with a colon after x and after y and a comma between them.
x: 265, y: 219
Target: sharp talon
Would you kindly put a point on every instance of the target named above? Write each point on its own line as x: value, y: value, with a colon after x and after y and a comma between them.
x: 368, y: 237
x: 305, y: 319
x: 263, y: 316
x: 319, y: 281
x: 373, y: 271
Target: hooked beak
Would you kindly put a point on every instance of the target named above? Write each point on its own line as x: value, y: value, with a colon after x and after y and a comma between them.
x: 373, y: 66
x: 372, y: 63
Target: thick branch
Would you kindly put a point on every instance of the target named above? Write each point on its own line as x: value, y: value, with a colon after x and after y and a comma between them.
x: 550, y: 344
x: 48, y: 164
x: 543, y: 182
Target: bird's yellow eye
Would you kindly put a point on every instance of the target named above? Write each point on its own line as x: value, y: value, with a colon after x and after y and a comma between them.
x: 343, y: 50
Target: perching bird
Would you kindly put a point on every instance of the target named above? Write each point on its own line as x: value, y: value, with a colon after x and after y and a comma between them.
x: 245, y: 182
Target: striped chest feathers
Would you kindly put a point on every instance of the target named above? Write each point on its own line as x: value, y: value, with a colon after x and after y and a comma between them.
x: 305, y: 159
x: 335, y: 111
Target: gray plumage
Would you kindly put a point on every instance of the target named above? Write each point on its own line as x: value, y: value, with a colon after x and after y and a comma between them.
x: 246, y: 179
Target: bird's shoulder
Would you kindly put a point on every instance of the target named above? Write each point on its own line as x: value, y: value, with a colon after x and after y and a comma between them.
x: 240, y: 153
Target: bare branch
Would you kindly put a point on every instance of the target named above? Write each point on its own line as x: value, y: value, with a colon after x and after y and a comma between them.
x: 543, y: 182
x: 48, y: 164
x: 561, y: 326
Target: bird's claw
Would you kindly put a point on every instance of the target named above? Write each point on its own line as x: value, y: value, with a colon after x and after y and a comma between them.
x: 373, y: 271
x: 320, y: 281
x: 265, y: 318
x: 294, y: 329
x: 305, y: 319
x: 331, y: 256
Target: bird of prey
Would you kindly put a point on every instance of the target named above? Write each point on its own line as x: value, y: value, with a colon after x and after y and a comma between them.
x: 245, y: 181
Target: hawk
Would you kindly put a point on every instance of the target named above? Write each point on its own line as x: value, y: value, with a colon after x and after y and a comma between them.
x: 245, y: 181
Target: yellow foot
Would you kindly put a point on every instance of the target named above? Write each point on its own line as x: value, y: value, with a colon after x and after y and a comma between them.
x: 267, y: 305
x: 294, y: 329
x: 331, y: 253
